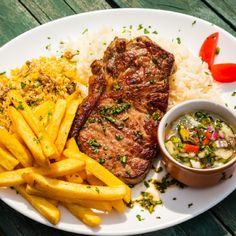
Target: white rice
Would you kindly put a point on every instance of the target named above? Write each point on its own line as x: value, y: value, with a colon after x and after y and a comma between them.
x: 192, y: 79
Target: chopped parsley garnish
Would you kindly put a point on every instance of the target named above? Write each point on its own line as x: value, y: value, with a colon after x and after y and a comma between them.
x: 1, y: 110
x: 3, y: 73
x: 159, y: 169
x: 91, y: 119
x: 85, y: 30
x: 101, y: 160
x: 155, y: 116
x: 155, y: 32
x: 37, y: 83
x: 234, y: 107
x: 20, y: 106
x: 166, y: 182
x: 190, y: 204
x: 88, y: 186
x: 120, y: 126
x: 147, y: 201
x: 158, y: 217
x: 140, y: 26
x: 178, y: 40
x: 111, y: 119
x: 119, y: 137
x: 48, y: 47
x: 217, y: 51
x: 139, y: 218
x: 194, y: 22
x: 22, y: 84
x: 146, y: 184
x: 93, y: 143
x: 122, y: 159
x: 154, y: 60
x: 146, y: 31
x: 153, y: 81
x: 138, y: 135
x: 233, y: 94
x: 116, y: 87
x: 97, y: 190
x: 206, y: 73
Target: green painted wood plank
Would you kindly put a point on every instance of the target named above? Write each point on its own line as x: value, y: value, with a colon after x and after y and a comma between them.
x: 87, y: 5
x: 192, y: 7
x: 226, y: 8
x: 205, y: 225
x: 226, y: 212
x: 13, y: 223
x: 45, y: 10
x: 14, y: 20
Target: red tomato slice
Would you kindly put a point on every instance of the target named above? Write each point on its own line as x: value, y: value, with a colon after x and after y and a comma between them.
x: 191, y: 148
x: 225, y: 73
x: 208, y: 49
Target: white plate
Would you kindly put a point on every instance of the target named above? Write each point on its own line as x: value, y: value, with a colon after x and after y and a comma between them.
x: 170, y: 25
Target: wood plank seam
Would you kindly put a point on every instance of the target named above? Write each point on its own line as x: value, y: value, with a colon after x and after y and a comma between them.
x: 27, y: 9
x: 70, y: 6
x: 232, y: 26
x: 222, y: 223
x: 113, y: 4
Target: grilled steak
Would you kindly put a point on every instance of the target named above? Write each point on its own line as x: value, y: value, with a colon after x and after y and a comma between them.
x: 128, y: 95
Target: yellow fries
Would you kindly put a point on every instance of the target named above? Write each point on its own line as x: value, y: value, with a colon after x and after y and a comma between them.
x: 43, y: 206
x: 44, y: 111
x: 118, y: 205
x: 57, y: 169
x: 84, y: 214
x: 7, y: 161
x: 48, y: 147
x: 98, y: 205
x: 99, y: 171
x: 93, y: 180
x: 66, y: 124
x: 74, y: 178
x: 28, y: 136
x: 2, y: 169
x: 55, y: 122
x: 72, y: 191
x: 15, y: 147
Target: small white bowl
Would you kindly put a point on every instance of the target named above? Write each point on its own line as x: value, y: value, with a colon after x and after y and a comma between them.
x: 187, y: 175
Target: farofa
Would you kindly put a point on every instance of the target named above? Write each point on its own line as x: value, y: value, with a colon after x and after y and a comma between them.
x: 38, y: 80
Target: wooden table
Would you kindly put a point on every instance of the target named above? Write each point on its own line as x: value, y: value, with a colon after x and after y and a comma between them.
x: 17, y: 17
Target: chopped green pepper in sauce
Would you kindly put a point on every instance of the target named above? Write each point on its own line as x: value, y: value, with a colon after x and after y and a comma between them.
x: 201, y: 140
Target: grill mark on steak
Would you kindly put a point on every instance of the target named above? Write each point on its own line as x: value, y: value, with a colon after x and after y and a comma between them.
x: 128, y: 95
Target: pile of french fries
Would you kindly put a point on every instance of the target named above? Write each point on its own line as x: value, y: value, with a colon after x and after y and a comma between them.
x: 47, y: 169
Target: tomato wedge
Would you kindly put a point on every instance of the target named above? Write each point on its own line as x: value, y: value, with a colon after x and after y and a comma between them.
x: 224, y: 73
x: 208, y: 49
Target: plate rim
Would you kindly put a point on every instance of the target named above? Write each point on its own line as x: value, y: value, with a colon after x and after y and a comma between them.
x: 133, y: 231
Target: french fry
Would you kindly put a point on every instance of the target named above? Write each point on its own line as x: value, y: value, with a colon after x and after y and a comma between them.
x: 118, y: 205
x: 54, y: 124
x: 84, y: 214
x: 7, y: 161
x: 72, y: 145
x: 74, y: 191
x: 83, y: 174
x: 53, y: 202
x: 93, y: 180
x: 99, y: 171
x: 57, y: 169
x: 44, y: 111
x: 28, y: 136
x: 48, y: 147
x: 98, y: 205
x: 66, y: 124
x: 73, y: 96
x: 74, y: 178
x: 43, y: 206
x: 2, y: 169
x: 15, y: 147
